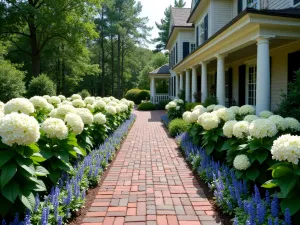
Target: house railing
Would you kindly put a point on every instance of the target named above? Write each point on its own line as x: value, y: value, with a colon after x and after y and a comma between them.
x: 160, y: 97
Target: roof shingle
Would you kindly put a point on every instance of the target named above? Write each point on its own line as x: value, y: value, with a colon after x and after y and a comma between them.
x: 180, y: 17
x: 165, y: 69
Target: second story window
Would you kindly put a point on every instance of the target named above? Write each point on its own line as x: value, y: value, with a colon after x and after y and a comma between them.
x: 203, y: 30
x: 253, y: 4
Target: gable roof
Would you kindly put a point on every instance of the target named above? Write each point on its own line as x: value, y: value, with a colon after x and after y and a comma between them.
x: 165, y: 69
x: 180, y: 16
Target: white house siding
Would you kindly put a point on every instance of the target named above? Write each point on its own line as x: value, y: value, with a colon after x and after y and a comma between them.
x: 221, y: 11
x: 234, y: 8
x: 280, y: 4
x: 177, y: 39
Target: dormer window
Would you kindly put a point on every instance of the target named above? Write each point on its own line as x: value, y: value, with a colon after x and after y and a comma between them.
x: 255, y: 4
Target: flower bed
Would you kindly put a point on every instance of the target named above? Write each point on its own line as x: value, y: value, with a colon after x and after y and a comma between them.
x: 252, y: 147
x: 56, y: 148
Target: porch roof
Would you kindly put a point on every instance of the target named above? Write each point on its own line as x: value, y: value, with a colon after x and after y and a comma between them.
x: 165, y: 69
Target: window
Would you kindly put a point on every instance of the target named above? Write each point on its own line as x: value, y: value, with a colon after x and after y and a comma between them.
x: 193, y: 47
x: 252, y: 74
x: 296, y: 2
x: 202, y: 28
x: 253, y: 4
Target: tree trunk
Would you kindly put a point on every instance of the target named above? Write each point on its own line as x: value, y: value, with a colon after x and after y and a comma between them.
x: 112, y: 66
x: 119, y: 66
x: 122, y: 68
x: 58, y: 77
x: 63, y: 73
x: 35, y: 54
x: 102, y: 58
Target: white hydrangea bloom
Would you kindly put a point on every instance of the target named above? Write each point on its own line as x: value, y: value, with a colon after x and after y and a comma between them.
x: 123, y: 107
x: 55, y: 128
x: 235, y: 109
x: 209, y: 121
x: 210, y: 108
x: 63, y: 110
x: 1, y: 115
x: 279, y: 121
x: 251, y: 118
x: 172, y: 104
x: 1, y: 106
x: 241, y: 129
x: 89, y: 100
x: 286, y: 148
x: 177, y: 108
x: 118, y: 109
x: 19, y: 129
x: 195, y: 115
x: 62, y: 98
x: 111, y: 110
x: 100, y: 119
x: 265, y: 114
x: 66, y: 102
x: 78, y: 103
x: 20, y: 105
x: 113, y: 103
x: 217, y: 107
x: 49, y: 107
x: 200, y: 107
x: 292, y: 124
x: 228, y: 128
x: 98, y: 98
x: 225, y: 114
x: 262, y: 128
x: 53, y: 113
x: 247, y: 110
x: 167, y: 107
x: 86, y: 115
x: 99, y: 104
x: 241, y: 162
x: 185, y: 114
x: 90, y: 107
x: 47, y: 97
x: 76, y: 96
x: 180, y: 101
x: 54, y: 100
x: 39, y: 102
x: 74, y: 122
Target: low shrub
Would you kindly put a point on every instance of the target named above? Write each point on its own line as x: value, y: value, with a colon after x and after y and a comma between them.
x: 162, y: 105
x: 142, y: 95
x: 41, y: 85
x: 132, y: 94
x: 11, y: 81
x: 190, y: 105
x: 177, y: 126
x: 175, y: 109
x: 84, y: 93
x: 146, y: 106
x: 211, y: 100
x: 290, y: 104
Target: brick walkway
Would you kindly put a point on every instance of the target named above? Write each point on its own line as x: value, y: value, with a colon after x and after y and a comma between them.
x: 149, y: 183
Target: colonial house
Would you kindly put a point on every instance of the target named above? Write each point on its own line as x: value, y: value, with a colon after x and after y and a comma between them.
x: 241, y: 51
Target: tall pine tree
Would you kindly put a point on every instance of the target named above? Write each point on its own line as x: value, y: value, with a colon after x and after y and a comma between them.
x: 164, y: 25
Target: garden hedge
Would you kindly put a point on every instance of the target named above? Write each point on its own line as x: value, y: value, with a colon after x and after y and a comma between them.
x: 146, y: 106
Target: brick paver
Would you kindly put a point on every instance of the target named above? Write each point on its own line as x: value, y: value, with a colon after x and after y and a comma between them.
x: 150, y: 183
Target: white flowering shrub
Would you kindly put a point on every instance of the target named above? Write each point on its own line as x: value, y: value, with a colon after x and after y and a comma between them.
x: 250, y: 118
x: 78, y: 103
x: 86, y: 115
x: 262, y: 128
x: 241, y: 129
x: 55, y: 128
x: 19, y: 105
x: 209, y: 121
x: 74, y: 122
x: 241, y: 162
x: 225, y: 114
x: 265, y: 114
x: 175, y: 109
x: 246, y: 110
x: 228, y: 128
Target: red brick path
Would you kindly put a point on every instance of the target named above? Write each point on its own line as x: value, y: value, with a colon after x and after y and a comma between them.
x: 150, y: 183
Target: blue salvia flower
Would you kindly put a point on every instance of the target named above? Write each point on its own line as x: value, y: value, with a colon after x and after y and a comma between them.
x: 37, y: 203
x: 267, y: 198
x: 257, y: 195
x: 3, y: 222
x: 270, y: 222
x: 275, y: 207
x: 27, y: 218
x: 16, y: 219
x: 251, y: 212
x: 276, y: 222
x: 261, y: 213
x: 287, y: 217
x: 59, y: 220
x: 45, y: 214
x: 235, y: 221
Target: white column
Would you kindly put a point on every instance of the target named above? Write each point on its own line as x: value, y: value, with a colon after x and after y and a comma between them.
x: 152, y: 87
x: 263, y: 83
x: 188, y: 85
x: 204, y: 92
x: 181, y: 81
x: 221, y: 80
x: 177, y: 85
x: 194, y: 83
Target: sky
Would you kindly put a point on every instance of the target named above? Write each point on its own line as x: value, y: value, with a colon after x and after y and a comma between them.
x: 154, y: 10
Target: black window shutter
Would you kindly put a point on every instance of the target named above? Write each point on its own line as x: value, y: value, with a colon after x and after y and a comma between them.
x: 205, y: 27
x: 186, y: 49
x: 197, y: 36
x: 242, y: 85
x: 230, y: 83
x: 215, y: 88
x: 240, y: 6
x: 293, y: 66
x: 176, y: 52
